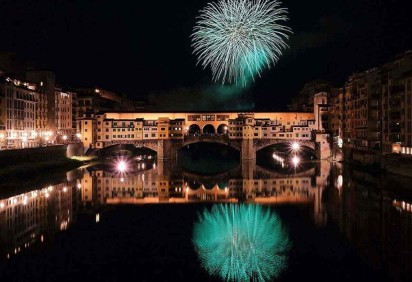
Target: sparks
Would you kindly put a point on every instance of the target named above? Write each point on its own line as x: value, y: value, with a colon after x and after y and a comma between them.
x: 239, y: 38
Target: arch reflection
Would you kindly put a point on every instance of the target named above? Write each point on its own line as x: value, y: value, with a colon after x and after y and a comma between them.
x: 241, y: 242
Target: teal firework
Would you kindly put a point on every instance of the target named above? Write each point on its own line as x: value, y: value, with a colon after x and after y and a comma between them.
x: 238, y: 39
x: 241, y: 242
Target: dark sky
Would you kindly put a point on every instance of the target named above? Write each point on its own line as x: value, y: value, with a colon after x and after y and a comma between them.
x: 143, y: 47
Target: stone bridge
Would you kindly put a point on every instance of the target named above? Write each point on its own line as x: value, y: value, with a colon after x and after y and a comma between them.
x: 167, y: 148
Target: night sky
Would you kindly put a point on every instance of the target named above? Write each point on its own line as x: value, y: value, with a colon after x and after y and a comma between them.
x: 143, y: 48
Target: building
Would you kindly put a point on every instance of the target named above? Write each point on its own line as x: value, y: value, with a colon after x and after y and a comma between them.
x: 109, y: 128
x: 303, y: 102
x: 18, y: 113
x: 396, y: 102
x: 362, y: 110
x: 63, y: 106
x: 46, y: 81
x: 59, y: 104
x: 93, y: 100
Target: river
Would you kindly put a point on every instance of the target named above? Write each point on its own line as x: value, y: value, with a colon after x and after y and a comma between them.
x: 209, y: 218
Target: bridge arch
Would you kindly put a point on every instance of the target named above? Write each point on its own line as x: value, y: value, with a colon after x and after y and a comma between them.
x: 209, y: 129
x: 131, y: 146
x: 194, y: 129
x: 224, y: 140
x: 222, y: 129
x: 194, y: 184
x: 306, y: 146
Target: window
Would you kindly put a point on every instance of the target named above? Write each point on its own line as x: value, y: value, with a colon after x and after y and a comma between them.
x: 193, y: 117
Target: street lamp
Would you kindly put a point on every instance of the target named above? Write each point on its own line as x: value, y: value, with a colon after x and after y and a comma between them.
x: 64, y: 137
x: 295, y: 146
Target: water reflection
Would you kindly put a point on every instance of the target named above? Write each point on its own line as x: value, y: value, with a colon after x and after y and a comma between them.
x: 372, y: 212
x: 30, y: 217
x: 248, y: 183
x: 241, y: 242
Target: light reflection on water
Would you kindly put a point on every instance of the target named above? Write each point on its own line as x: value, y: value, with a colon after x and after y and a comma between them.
x: 241, y: 242
x: 371, y: 211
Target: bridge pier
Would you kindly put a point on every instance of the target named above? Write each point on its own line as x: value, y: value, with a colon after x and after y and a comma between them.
x: 248, y: 168
x: 248, y: 151
x: 167, y: 149
x: 322, y: 145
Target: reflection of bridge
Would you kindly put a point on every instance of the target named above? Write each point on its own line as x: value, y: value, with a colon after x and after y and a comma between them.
x: 248, y: 183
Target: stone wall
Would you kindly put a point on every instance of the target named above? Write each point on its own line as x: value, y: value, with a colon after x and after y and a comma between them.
x: 396, y: 163
x: 31, y: 155
x: 75, y: 149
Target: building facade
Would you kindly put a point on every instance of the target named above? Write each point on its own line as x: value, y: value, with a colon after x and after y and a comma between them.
x: 17, y: 113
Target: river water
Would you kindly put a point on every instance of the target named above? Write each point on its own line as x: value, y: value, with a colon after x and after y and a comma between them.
x: 158, y: 221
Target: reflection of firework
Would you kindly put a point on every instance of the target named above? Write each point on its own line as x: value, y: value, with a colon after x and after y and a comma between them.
x: 241, y: 242
x: 239, y: 38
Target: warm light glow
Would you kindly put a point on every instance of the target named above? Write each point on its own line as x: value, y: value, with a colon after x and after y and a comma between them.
x: 64, y: 137
x: 79, y: 186
x: 1, y: 205
x: 97, y: 217
x: 24, y: 139
x: 339, y: 181
x: 78, y: 135
x: 340, y: 142
x: 65, y: 189
x: 295, y: 146
x: 295, y: 160
x: 278, y: 158
x: 122, y: 166
x: 1, y: 136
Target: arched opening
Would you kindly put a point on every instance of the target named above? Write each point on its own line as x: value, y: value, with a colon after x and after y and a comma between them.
x: 127, y: 151
x: 222, y: 129
x: 283, y: 157
x: 209, y: 129
x: 209, y: 185
x: 194, y: 129
x: 194, y: 184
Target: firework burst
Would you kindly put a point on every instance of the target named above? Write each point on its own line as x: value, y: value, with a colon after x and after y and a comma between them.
x: 241, y: 242
x: 239, y: 38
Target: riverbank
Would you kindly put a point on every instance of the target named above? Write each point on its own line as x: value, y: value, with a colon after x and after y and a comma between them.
x: 374, y: 161
x: 34, y: 166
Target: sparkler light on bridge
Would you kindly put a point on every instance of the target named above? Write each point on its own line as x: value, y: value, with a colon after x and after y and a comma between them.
x: 241, y: 242
x: 238, y: 39
x: 121, y: 165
